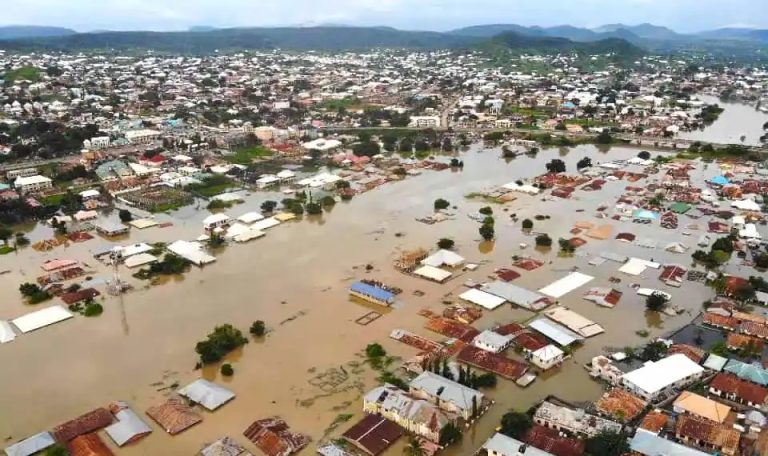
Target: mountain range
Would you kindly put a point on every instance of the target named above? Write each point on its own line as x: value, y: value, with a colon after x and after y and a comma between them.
x: 204, y: 39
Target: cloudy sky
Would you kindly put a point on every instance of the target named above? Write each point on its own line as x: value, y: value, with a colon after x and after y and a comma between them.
x: 87, y: 15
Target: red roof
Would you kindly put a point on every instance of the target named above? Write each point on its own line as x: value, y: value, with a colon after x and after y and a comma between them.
x: 749, y: 392
x: 507, y: 275
x: 550, y: 441
x: 374, y: 434
x: 84, y: 424
x: 499, y: 364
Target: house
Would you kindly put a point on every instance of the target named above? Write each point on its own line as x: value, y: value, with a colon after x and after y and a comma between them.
x: 129, y: 427
x: 659, y: 377
x: 372, y: 293
x: 111, y: 229
x: 554, y: 442
x: 83, y: 424
x: 735, y: 389
x: 502, y: 445
x: 88, y: 445
x: 573, y: 421
x: 415, y: 415
x: 602, y: 367
x: 31, y: 445
x: 32, y: 184
x: 174, y: 415
x: 754, y: 373
x: 274, y: 437
x: 206, y: 393
x: 701, y: 406
x: 547, y: 357
x: 424, y: 121
x: 214, y: 221
x: 443, y: 258
x: 703, y: 433
x: 491, y: 341
x: 143, y: 136
x: 620, y: 405
x: 647, y: 443
x: 373, y: 434
x: 448, y: 395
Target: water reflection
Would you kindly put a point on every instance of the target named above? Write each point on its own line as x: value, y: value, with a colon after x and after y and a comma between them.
x: 485, y: 247
x: 653, y: 320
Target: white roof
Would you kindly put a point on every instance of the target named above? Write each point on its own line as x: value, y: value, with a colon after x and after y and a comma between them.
x: 503, y: 445
x: 286, y: 174
x: 482, y: 298
x: 139, y: 260
x: 128, y: 426
x: 655, y: 376
x: 432, y: 273
x: 30, y: 180
x: 6, y: 332
x: 192, y: 251
x: 746, y: 205
x: 636, y: 266
x: 41, y: 318
x: 250, y: 217
x: 89, y: 193
x: 447, y: 390
x: 134, y: 249
x: 215, y: 218
x: 565, y: 285
x: 143, y: 223
x: 547, y: 353
x: 524, y: 188
x: 207, y: 394
x: 749, y: 232
x: 443, y: 257
x: 265, y: 224
x: 490, y: 339
x: 31, y: 445
x: 321, y: 144
x: 560, y: 334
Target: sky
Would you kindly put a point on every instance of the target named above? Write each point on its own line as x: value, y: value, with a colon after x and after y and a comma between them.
x: 439, y: 15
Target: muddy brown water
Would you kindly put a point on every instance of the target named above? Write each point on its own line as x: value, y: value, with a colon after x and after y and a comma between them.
x: 737, y: 120
x: 296, y: 279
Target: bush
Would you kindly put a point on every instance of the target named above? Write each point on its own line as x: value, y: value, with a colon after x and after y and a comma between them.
x: 441, y: 204
x: 585, y: 162
x: 227, y: 370
x: 314, y: 208
x: 450, y: 434
x: 487, y: 210
x: 327, y: 201
x: 515, y: 424
x: 93, y: 309
x: 527, y: 224
x: 655, y: 302
x: 543, y: 240
x: 125, y: 216
x: 219, y: 343
x: 556, y: 166
x: 34, y: 293
x: 268, y: 206
x: 487, y: 231
x: 445, y: 243
x: 566, y: 246
x: 645, y: 155
x: 257, y: 328
x: 375, y: 351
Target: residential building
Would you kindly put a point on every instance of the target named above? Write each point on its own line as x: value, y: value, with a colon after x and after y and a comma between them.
x: 730, y: 387
x: 415, y: 415
x: 424, y: 121
x: 661, y: 377
x: 32, y: 184
x: 491, y: 341
x: 701, y: 406
x: 574, y: 421
x: 502, y: 445
x: 602, y: 367
x: 706, y: 434
x: 547, y: 357
x: 448, y: 395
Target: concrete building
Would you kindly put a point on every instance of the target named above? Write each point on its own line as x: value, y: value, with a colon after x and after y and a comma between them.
x: 547, y: 357
x: 415, y: 415
x: 143, y: 136
x: 574, y: 421
x: 424, y: 121
x: 657, y: 378
x: 32, y: 184
x: 449, y: 396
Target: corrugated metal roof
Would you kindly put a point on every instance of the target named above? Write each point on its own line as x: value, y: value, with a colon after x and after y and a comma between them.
x: 31, y: 445
x: 374, y: 292
x: 129, y: 426
x: 207, y: 394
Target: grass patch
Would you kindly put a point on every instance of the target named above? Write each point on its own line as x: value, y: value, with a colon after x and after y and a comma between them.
x: 211, y: 186
x: 27, y: 73
x: 247, y: 155
x: 482, y: 197
x: 6, y: 249
x: 52, y: 200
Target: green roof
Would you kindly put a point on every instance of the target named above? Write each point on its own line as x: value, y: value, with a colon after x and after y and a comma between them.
x: 680, y: 208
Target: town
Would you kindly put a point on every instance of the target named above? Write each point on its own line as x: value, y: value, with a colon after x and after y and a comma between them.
x: 389, y: 251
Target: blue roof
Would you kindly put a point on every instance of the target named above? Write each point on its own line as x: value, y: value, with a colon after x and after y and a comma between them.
x: 649, y: 444
x: 751, y: 372
x: 374, y: 292
x: 720, y: 180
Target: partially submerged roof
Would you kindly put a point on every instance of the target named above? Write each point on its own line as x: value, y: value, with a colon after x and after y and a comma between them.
x: 225, y: 446
x: 174, y: 415
x: 31, y: 445
x: 83, y: 424
x: 128, y: 428
x: 482, y: 299
x: 273, y: 437
x: 373, y: 434
x: 501, y: 444
x: 574, y: 321
x: 6, y: 332
x: 565, y: 285
x: 372, y: 291
x: 558, y: 333
x: 655, y: 376
x: 443, y: 258
x: 516, y: 295
x: 41, y: 318
x: 432, y: 273
x: 207, y: 394
x: 88, y: 445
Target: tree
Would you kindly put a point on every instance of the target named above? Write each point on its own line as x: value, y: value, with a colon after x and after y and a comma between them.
x: 314, y: 208
x: 125, y: 216
x: 257, y: 328
x: 486, y: 380
x: 556, y: 166
x: 268, y: 206
x: 644, y: 154
x: 655, y: 302
x: 653, y: 351
x: 56, y: 450
x: 487, y: 232
x: 5, y: 233
x: 219, y: 343
x: 585, y: 162
x: 565, y: 245
x: 440, y: 203
x: 375, y: 350
x: 543, y: 240
x: 327, y: 201
x: 450, y: 434
x: 227, y: 370
x: 528, y: 224
x: 608, y: 443
x: 515, y: 424
x: 604, y: 138
x: 413, y: 448
x: 445, y: 243
x: 720, y: 349
x: 486, y: 210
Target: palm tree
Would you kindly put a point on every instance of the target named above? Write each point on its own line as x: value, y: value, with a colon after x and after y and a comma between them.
x: 413, y: 448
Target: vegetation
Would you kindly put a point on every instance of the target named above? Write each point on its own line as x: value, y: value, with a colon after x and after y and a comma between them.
x: 608, y: 443
x: 543, y: 240
x: 227, y: 370
x: 33, y: 293
x: 440, y: 204
x: 645, y: 155
x: 719, y: 253
x: 125, y: 216
x: 257, y: 328
x: 211, y: 186
x: 655, y: 302
x: 171, y: 264
x: 653, y: 351
x: 27, y: 73
x: 392, y: 379
x: 268, y: 206
x: 21, y: 240
x: 246, y: 155
x: 556, y: 166
x: 445, y: 243
x: 327, y: 201
x: 585, y: 162
x: 219, y: 343
x: 565, y: 246
x: 528, y: 224
x: 515, y: 424
x: 487, y: 232
x: 486, y: 210
x: 450, y: 434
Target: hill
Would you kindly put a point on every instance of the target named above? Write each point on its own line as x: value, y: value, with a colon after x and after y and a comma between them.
x: 646, y: 31
x: 746, y: 34
x: 510, y: 40
x: 12, y: 32
x: 297, y: 38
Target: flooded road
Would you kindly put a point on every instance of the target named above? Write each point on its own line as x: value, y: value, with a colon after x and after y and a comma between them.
x: 296, y: 279
x: 735, y: 121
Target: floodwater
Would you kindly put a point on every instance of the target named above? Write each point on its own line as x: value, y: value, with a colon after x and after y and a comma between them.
x: 296, y: 279
x: 737, y: 120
